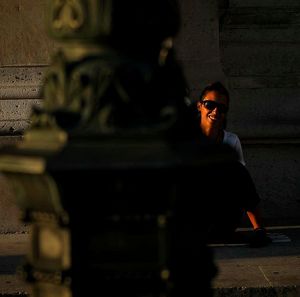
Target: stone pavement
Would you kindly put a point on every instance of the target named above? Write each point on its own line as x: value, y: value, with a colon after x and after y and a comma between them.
x: 271, y: 271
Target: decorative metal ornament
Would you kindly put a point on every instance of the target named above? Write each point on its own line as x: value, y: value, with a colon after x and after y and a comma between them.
x: 68, y: 15
x: 86, y: 20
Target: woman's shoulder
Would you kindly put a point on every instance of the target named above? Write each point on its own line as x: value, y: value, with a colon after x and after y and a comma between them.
x: 233, y: 140
x: 230, y: 137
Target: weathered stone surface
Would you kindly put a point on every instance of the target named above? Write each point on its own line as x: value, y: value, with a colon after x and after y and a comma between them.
x: 260, y: 40
x: 280, y: 34
x: 265, y: 112
x: 24, y: 37
x: 261, y: 59
x: 197, y: 44
x: 264, y: 3
x: 13, y: 127
x: 261, y: 17
x: 17, y: 109
x: 199, y: 79
x: 291, y: 291
x: 9, y: 212
x: 265, y: 82
x: 275, y: 169
x: 15, y: 115
x: 20, y: 90
x: 21, y: 82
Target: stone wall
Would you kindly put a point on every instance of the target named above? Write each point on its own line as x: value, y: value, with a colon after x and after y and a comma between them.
x: 197, y: 44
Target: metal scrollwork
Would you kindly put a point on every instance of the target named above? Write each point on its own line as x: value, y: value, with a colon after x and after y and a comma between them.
x: 68, y: 15
x: 54, y: 90
x: 76, y: 88
x: 94, y: 94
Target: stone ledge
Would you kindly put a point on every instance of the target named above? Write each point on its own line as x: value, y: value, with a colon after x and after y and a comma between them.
x: 289, y: 291
x: 264, y: 3
x: 21, y: 82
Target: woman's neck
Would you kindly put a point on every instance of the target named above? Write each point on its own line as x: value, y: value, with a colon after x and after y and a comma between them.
x: 214, y: 134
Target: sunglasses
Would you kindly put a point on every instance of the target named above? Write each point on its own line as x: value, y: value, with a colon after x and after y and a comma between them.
x: 211, y: 105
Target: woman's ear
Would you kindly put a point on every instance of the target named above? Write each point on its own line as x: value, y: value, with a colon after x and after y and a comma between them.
x: 198, y: 106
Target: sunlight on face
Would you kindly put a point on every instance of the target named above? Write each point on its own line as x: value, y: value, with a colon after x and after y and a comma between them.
x: 212, y: 109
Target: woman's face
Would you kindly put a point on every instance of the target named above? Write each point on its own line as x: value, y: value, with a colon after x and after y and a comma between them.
x: 213, y: 109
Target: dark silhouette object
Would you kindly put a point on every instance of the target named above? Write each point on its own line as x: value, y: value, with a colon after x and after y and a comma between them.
x: 103, y: 175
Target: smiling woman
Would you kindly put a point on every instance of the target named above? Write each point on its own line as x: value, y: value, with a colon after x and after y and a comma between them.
x: 213, y: 106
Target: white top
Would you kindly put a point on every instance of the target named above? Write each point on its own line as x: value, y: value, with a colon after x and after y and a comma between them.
x: 233, y: 141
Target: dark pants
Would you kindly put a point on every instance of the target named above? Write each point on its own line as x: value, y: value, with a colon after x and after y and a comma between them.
x: 229, y: 192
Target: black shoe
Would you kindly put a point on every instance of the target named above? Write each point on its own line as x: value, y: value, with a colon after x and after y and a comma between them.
x: 259, y: 238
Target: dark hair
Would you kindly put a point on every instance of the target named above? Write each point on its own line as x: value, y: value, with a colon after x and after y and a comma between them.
x: 217, y: 87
